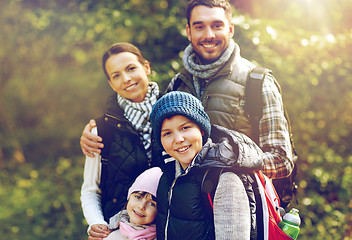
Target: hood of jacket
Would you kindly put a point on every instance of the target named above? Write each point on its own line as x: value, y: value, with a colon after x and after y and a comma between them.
x: 227, y: 148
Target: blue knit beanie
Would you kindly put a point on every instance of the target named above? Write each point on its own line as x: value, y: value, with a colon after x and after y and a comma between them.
x: 179, y: 103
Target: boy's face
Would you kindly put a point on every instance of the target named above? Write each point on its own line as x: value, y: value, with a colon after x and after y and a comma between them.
x: 128, y: 77
x: 141, y: 209
x: 181, y: 138
x: 209, y: 32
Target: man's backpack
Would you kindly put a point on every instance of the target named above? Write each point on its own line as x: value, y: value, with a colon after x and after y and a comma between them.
x: 285, y: 187
x: 267, y: 204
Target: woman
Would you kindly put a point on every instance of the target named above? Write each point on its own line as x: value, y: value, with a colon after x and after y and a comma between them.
x: 105, y: 186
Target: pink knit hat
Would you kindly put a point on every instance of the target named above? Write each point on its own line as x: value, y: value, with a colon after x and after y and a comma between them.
x: 147, y: 182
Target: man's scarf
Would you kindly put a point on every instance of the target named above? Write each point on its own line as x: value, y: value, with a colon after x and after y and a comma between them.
x: 200, y: 71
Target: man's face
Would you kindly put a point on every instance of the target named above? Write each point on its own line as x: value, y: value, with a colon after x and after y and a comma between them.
x: 209, y: 32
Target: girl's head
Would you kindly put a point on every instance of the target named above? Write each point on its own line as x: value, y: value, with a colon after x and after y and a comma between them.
x: 180, y: 125
x: 141, y: 205
x: 127, y: 71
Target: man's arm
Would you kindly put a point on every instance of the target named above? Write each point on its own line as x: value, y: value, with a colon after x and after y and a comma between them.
x: 274, y: 137
x: 90, y: 143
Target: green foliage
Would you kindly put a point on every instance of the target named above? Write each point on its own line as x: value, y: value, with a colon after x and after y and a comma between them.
x: 51, y: 84
x: 42, y: 203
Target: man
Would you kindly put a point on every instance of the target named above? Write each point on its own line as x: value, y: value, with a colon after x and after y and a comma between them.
x: 216, y: 74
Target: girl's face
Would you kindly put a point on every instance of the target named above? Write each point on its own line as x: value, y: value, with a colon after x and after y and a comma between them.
x: 128, y: 77
x: 141, y: 208
x: 181, y: 138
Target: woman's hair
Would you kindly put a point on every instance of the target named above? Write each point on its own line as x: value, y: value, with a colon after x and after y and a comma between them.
x: 120, y: 48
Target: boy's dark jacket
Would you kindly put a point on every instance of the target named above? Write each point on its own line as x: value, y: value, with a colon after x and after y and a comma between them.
x: 225, y: 149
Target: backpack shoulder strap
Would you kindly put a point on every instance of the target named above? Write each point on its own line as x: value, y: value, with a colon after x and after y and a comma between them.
x: 254, y: 108
x: 254, y: 100
x: 253, y: 93
x: 209, y: 182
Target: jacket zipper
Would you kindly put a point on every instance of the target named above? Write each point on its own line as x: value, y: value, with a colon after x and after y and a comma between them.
x: 170, y: 197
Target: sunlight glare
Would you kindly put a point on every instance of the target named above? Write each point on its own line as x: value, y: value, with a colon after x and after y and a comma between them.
x: 272, y: 32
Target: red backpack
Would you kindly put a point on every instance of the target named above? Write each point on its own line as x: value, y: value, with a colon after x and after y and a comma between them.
x: 270, y: 206
x: 267, y: 204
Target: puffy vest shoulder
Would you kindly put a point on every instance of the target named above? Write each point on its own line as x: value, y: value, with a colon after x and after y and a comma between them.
x: 224, y: 94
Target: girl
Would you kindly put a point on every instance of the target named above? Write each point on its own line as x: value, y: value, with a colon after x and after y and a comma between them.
x: 136, y: 221
x: 106, y: 181
x: 182, y: 128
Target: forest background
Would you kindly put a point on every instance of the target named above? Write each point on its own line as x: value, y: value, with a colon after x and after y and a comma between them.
x: 51, y: 84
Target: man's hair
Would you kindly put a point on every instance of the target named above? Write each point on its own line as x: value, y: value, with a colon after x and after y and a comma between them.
x: 209, y: 3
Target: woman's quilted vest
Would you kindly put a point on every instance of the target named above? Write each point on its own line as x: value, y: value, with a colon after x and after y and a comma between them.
x: 127, y: 160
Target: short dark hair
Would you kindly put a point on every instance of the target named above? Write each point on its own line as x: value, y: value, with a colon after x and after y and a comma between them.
x: 209, y: 3
x: 120, y: 48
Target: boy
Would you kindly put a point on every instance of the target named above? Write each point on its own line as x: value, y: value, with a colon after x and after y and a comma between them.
x: 181, y: 126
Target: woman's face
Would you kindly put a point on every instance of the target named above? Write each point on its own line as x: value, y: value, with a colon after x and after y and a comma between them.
x: 128, y: 77
x: 181, y: 138
x: 141, y: 208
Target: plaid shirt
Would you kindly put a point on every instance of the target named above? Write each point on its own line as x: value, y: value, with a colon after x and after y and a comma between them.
x: 274, y: 137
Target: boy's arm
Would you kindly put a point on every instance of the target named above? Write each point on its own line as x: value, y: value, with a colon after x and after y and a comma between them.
x: 232, y: 219
x: 90, y: 143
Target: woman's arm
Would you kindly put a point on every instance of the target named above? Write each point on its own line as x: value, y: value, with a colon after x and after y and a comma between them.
x: 90, y: 191
x: 231, y: 209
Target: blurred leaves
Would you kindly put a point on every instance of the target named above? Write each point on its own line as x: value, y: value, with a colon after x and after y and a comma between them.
x: 51, y: 84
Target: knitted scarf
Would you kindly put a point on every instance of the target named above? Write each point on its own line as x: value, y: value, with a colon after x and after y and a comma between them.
x: 144, y: 234
x: 138, y: 114
x: 199, y: 71
x: 131, y: 230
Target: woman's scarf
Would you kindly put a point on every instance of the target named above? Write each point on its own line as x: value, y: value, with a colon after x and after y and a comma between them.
x: 138, y: 114
x: 190, y: 61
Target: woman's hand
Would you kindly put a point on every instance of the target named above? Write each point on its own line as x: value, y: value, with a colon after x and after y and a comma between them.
x: 98, y: 232
x: 90, y: 143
